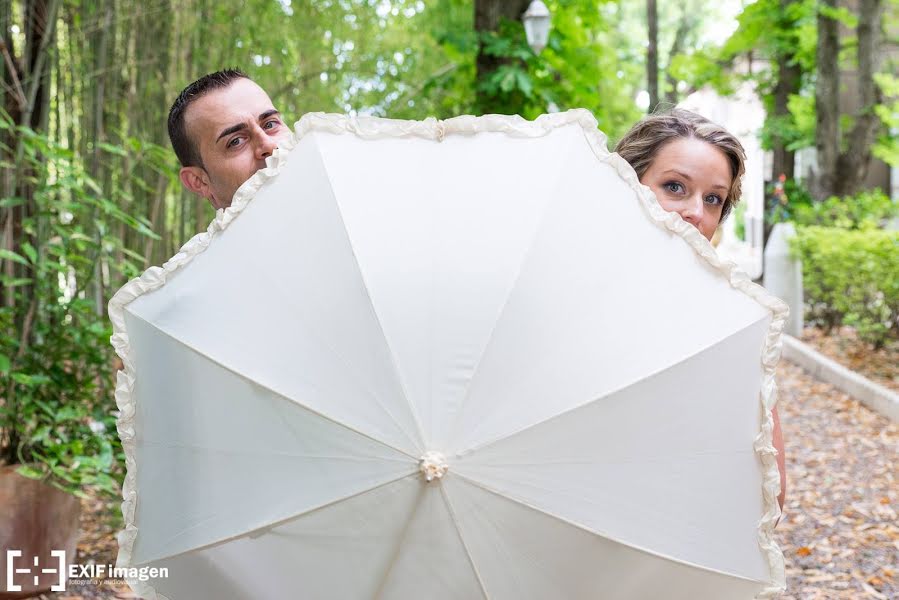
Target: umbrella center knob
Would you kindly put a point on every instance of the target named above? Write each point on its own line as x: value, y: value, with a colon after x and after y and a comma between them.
x: 433, y: 465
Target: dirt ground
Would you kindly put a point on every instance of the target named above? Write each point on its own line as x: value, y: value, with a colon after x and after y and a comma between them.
x: 839, y: 533
x: 880, y: 366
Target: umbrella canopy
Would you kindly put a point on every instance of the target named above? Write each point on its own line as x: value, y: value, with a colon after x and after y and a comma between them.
x: 455, y: 359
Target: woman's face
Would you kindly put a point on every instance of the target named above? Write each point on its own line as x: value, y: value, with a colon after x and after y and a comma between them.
x: 692, y: 178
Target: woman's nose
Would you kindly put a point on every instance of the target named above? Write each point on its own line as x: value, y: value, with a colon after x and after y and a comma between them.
x: 693, y: 208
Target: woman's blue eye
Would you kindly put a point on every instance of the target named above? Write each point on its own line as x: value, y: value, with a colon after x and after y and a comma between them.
x: 673, y: 186
x: 714, y: 199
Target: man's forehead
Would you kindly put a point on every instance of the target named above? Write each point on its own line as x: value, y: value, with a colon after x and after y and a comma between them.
x: 240, y: 102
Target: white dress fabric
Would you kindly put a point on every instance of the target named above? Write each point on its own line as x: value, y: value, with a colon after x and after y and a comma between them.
x: 591, y: 385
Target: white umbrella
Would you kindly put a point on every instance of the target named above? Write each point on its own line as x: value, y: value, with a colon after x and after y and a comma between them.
x: 455, y: 359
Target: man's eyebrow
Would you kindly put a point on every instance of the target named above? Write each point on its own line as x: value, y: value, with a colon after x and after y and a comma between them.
x: 688, y: 178
x: 240, y: 126
x: 230, y: 130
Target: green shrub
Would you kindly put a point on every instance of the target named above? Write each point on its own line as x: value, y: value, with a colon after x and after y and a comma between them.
x: 867, y: 209
x: 57, y: 367
x: 851, y: 277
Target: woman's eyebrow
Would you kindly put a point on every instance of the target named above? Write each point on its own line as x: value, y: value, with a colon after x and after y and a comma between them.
x: 717, y: 186
x: 682, y: 174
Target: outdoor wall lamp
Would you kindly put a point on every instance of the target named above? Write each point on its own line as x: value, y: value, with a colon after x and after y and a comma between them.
x: 536, y: 21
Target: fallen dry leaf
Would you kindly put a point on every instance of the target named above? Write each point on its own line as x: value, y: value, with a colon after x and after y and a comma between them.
x: 840, y: 539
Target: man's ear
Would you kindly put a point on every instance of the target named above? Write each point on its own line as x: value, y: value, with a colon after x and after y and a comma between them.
x: 196, y: 180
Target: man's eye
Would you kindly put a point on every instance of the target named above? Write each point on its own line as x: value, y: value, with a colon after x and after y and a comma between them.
x: 274, y: 123
x: 234, y: 142
x: 674, y: 187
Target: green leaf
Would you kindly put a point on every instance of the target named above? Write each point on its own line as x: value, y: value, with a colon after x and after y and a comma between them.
x: 41, y: 435
x: 30, y: 252
x: 10, y: 255
x: 133, y: 254
x: 14, y: 281
x: 507, y: 83
x: 11, y: 201
x: 68, y: 413
x: 45, y: 407
x: 30, y: 380
x: 30, y: 472
x: 112, y: 149
x: 4, y: 364
x: 841, y: 14
x: 524, y: 83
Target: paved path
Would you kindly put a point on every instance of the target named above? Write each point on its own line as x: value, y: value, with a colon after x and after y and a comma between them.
x: 839, y: 533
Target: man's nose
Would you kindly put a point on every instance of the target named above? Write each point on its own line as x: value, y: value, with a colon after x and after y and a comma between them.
x: 265, y: 144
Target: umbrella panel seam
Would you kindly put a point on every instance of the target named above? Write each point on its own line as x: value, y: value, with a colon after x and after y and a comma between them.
x: 252, y: 533
x: 379, y: 591
x: 458, y: 528
x: 604, y: 535
x: 451, y: 431
x: 396, y: 372
x: 285, y: 397
x: 589, y: 403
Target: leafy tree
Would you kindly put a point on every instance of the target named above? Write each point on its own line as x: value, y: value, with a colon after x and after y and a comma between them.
x: 589, y: 62
x: 782, y: 34
x: 803, y: 58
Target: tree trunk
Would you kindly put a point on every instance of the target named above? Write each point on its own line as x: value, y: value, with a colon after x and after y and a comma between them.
x: 9, y: 75
x: 788, y: 81
x: 652, y: 54
x: 487, y: 17
x: 40, y: 17
x: 99, y: 136
x: 684, y: 27
x: 827, y: 130
x: 853, y: 165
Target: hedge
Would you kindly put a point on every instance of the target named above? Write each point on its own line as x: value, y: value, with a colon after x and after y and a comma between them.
x: 851, y: 277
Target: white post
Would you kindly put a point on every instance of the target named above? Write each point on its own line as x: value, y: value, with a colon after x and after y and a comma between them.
x: 783, y: 275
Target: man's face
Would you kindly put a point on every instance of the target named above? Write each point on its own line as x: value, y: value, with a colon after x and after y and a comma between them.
x: 235, y: 129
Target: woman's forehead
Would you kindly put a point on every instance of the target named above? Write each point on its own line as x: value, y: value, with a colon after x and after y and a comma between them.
x: 694, y: 158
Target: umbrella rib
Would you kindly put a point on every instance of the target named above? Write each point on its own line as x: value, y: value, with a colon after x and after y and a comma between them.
x: 357, y: 377
x: 379, y: 591
x: 452, y: 513
x: 266, y: 453
x: 502, y: 310
x: 273, y: 391
x: 276, y: 523
x: 603, y: 534
x: 396, y: 370
x: 620, y: 389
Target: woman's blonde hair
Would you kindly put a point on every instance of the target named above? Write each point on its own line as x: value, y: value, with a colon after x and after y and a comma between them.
x: 640, y: 145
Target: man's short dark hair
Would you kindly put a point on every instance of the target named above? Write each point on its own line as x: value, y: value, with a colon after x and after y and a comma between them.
x: 185, y: 148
